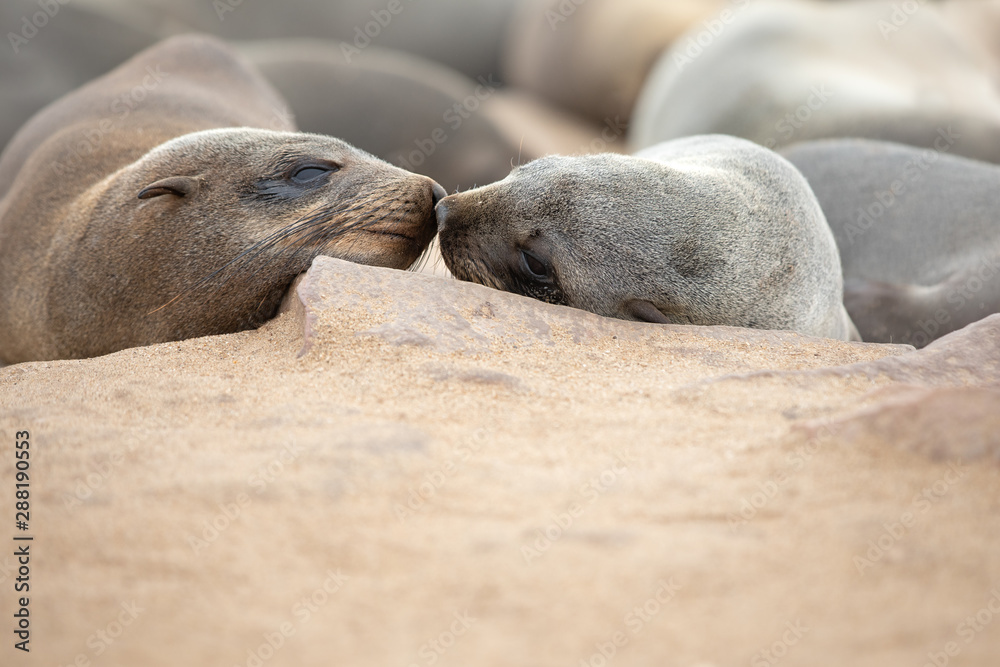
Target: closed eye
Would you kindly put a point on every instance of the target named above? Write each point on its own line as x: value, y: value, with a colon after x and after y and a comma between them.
x: 310, y: 173
x: 535, y: 266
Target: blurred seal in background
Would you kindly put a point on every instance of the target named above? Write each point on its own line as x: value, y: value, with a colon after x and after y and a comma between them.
x: 782, y: 72
x: 592, y: 57
x: 918, y: 233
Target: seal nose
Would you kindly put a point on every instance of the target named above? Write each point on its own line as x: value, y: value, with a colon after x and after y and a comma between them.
x: 439, y: 193
x: 442, y: 210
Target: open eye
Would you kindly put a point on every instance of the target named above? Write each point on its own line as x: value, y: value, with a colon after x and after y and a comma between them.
x: 535, y: 266
x: 310, y: 173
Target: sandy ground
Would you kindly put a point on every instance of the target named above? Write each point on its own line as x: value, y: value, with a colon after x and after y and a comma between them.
x: 406, y: 470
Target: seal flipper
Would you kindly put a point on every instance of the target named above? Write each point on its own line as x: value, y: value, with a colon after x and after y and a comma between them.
x: 645, y: 311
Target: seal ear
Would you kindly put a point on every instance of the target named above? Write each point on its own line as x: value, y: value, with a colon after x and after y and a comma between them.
x: 179, y: 186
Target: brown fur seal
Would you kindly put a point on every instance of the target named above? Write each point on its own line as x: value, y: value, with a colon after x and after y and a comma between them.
x: 146, y: 208
x: 705, y: 230
x: 918, y: 232
x: 780, y: 73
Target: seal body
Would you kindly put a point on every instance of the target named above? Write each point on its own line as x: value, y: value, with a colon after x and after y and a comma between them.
x: 54, y: 48
x: 593, y: 56
x: 918, y: 233
x: 150, y: 206
x: 781, y: 73
x: 466, y: 35
x: 706, y: 230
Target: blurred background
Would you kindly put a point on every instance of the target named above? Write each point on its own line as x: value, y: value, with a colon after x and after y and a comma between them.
x: 506, y: 81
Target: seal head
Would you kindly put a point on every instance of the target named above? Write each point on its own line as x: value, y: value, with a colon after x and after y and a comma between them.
x: 707, y: 230
x: 149, y: 206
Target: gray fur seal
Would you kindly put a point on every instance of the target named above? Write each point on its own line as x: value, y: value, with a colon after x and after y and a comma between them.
x: 707, y: 230
x: 148, y: 207
x: 918, y: 232
x: 781, y: 73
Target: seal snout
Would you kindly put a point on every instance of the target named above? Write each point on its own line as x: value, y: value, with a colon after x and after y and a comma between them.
x: 443, y: 209
x: 439, y: 192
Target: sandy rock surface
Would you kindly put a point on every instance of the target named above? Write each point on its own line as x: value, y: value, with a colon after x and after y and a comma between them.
x: 407, y: 470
